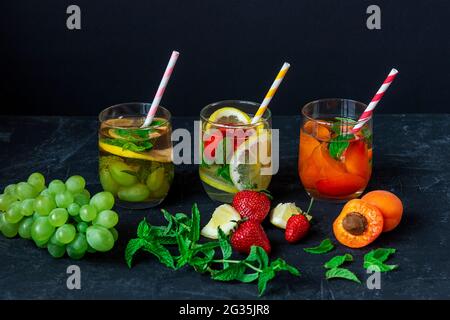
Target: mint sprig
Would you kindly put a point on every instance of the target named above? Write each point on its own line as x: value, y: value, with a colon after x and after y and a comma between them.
x: 176, y: 245
x: 324, y: 247
x: 341, y: 273
x: 129, y: 145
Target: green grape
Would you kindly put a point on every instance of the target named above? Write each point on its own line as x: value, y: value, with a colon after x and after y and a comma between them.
x: 136, y: 193
x: 41, y: 244
x: 82, y: 226
x: 25, y: 228
x: 6, y: 200
x: 107, y: 219
x: 86, y: 193
x: 37, y: 180
x: 77, y: 218
x: 75, y: 184
x: 25, y: 190
x: 64, y: 199
x: 56, y: 186
x: 11, y: 190
x: 42, y: 230
x: 73, y: 209
x: 44, y: 204
x: 81, y: 199
x: 55, y: 250
x: 102, y: 201
x: 36, y: 216
x: 79, y: 244
x: 58, y: 217
x: 155, y: 179
x: 65, y: 233
x: 108, y: 182
x: 46, y: 192
x: 27, y: 207
x: 90, y: 249
x: 115, y: 233
x: 53, y: 240
x: 88, y: 213
x: 14, y: 213
x: 119, y: 173
x: 100, y: 238
x: 9, y: 230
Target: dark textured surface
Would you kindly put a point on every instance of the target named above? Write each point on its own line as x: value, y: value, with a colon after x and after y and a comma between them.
x: 410, y: 158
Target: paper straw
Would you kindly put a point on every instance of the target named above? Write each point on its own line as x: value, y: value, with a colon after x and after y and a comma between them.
x: 161, y: 89
x: 271, y: 93
x: 367, y: 114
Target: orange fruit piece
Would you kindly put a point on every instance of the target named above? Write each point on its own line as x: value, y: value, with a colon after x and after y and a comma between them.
x: 389, y: 204
x: 357, y: 159
x: 358, y: 224
x: 306, y: 147
x: 320, y: 131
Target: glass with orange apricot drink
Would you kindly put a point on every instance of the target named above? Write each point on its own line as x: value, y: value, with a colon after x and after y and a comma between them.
x: 334, y: 163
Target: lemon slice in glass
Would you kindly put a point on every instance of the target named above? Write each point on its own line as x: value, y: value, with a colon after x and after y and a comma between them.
x: 163, y: 155
x: 228, y: 115
x: 223, y: 217
x: 210, y: 177
x: 245, y: 165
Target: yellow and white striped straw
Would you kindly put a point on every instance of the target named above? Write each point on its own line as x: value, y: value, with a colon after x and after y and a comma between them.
x: 271, y: 92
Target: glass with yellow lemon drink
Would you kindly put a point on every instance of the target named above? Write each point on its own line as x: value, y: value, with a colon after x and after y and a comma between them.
x: 236, y: 154
x: 135, y: 164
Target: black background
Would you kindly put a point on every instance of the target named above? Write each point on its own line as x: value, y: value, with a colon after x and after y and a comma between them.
x: 229, y: 49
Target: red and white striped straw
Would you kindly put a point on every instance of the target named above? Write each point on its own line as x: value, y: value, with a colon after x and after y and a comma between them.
x: 161, y: 89
x: 367, y: 114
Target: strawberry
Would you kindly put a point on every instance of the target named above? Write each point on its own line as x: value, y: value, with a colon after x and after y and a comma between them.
x: 252, y: 205
x: 248, y: 234
x: 297, y: 227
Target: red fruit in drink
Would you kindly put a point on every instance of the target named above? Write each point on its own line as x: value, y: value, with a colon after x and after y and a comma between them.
x: 253, y: 205
x: 248, y: 234
x: 340, y: 185
x: 297, y: 227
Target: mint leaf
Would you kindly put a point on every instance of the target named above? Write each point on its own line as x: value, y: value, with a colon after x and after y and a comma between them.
x: 129, y: 145
x: 338, y: 261
x: 170, y: 221
x: 338, y: 145
x: 324, y: 247
x: 280, y: 264
x: 143, y: 229
x: 132, y: 247
x: 381, y: 254
x: 248, y: 277
x: 224, y: 172
x: 379, y: 266
x: 259, y: 255
x: 160, y: 252
x: 232, y: 272
x: 194, y: 234
x: 341, y: 123
x: 341, y: 273
x: 224, y: 243
x: 266, y: 275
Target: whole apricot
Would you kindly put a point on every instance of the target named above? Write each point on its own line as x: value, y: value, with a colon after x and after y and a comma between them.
x: 390, y: 206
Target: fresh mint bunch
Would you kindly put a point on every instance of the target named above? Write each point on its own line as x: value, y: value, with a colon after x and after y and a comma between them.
x: 177, y: 244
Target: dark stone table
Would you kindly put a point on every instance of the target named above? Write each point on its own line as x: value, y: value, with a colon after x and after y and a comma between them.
x: 411, y: 159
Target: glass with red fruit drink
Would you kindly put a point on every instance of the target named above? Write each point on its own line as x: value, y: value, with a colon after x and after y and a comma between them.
x: 235, y: 154
x: 334, y: 163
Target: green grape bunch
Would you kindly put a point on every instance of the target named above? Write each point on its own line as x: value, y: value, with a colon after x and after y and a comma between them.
x: 61, y: 216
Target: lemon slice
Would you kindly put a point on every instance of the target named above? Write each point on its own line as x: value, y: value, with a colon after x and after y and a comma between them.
x: 228, y: 115
x: 164, y: 155
x: 282, y: 212
x: 245, y: 165
x: 223, y: 217
x: 210, y: 177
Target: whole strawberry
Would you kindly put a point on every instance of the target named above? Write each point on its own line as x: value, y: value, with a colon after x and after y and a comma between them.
x: 252, y: 205
x: 249, y: 233
x: 297, y: 227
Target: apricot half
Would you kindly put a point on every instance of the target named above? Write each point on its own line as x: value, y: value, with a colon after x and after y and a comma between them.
x: 358, y: 224
x: 390, y: 206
